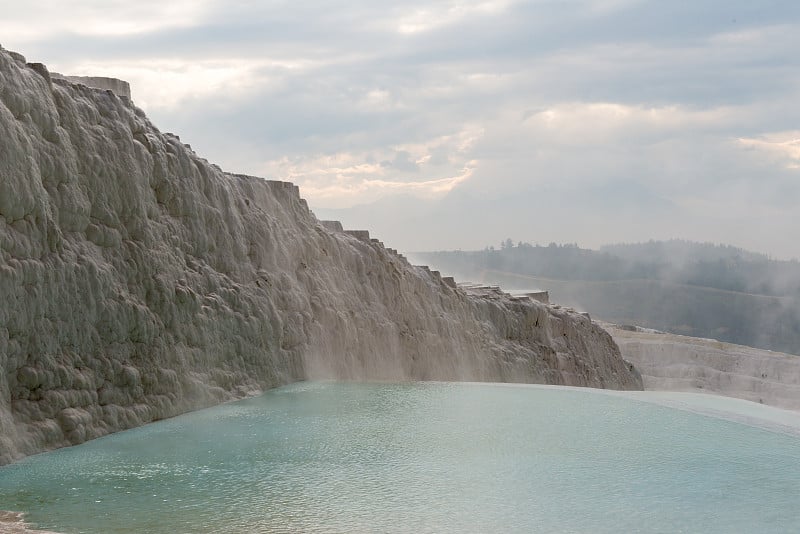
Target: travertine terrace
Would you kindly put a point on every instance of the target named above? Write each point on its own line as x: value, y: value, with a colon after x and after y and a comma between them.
x: 671, y: 362
x: 139, y: 281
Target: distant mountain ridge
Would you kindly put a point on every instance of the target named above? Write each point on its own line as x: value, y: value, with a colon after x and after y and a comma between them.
x: 683, y: 287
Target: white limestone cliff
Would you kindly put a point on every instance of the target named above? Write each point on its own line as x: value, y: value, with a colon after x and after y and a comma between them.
x: 671, y: 362
x: 138, y: 281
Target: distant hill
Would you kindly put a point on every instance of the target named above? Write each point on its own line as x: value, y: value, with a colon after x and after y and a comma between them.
x: 697, y: 289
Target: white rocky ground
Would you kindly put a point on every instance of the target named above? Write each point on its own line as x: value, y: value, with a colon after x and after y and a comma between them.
x: 670, y: 362
x: 138, y: 281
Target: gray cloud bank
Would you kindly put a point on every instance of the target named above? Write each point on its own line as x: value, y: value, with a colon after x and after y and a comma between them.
x: 457, y: 124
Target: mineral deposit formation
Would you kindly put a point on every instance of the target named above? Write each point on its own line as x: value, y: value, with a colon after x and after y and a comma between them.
x: 138, y: 281
x: 670, y: 362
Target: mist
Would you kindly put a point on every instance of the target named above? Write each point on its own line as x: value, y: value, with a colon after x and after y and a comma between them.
x: 693, y: 289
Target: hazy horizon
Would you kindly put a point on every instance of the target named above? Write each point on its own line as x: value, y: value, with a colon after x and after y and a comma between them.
x: 446, y: 125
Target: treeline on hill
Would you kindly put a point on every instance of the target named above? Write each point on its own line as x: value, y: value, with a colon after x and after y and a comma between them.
x: 697, y: 289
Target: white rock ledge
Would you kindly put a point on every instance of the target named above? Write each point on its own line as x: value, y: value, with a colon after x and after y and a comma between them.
x: 119, y: 87
x: 670, y: 362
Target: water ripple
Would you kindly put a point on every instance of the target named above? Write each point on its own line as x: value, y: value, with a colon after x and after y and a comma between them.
x: 432, y: 457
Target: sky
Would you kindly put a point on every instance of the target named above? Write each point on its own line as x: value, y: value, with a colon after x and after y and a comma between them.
x: 455, y: 124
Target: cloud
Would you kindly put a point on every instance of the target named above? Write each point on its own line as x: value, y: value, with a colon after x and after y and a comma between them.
x: 34, y: 19
x: 680, y: 115
x: 419, y: 19
x: 373, y: 188
x: 169, y: 83
x: 403, y: 162
x: 377, y: 187
x: 784, y: 145
x: 426, y: 169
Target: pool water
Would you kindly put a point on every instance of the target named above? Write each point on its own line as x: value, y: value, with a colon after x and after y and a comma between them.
x: 420, y: 457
